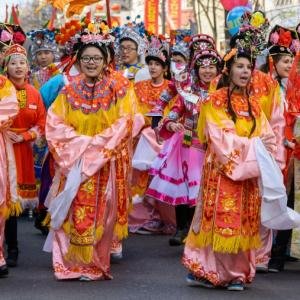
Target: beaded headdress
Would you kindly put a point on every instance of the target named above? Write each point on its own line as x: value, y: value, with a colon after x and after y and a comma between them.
x: 15, y: 50
x: 200, y: 42
x: 156, y: 50
x: 132, y: 31
x: 182, y: 38
x: 251, y: 37
x: 206, y: 58
x: 43, y: 40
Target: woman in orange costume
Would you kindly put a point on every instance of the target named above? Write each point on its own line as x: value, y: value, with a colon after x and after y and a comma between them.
x: 26, y: 127
x: 8, y: 109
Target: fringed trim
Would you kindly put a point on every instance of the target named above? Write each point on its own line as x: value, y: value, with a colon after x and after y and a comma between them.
x: 4, y: 212
x: 47, y: 220
x: 223, y: 244
x: 15, y: 209
x: 99, y: 233
x: 121, y: 231
x: 80, y: 254
x: 67, y: 227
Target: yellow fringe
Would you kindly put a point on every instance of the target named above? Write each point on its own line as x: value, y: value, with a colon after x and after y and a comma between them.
x: 80, y: 254
x: 15, y: 209
x: 223, y: 244
x: 47, y: 220
x: 99, y: 233
x: 67, y: 227
x: 4, y: 212
x: 121, y: 231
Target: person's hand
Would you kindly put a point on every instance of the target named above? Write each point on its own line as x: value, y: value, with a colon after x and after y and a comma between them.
x: 268, y: 141
x: 175, y: 127
x: 6, y: 124
x: 14, y: 137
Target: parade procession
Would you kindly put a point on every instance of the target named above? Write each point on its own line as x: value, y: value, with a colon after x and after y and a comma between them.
x: 162, y: 127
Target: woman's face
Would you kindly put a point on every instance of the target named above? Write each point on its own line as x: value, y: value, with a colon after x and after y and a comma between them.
x: 240, y: 72
x: 284, y: 65
x: 207, y: 73
x: 17, y: 67
x: 156, y: 69
x: 44, y: 58
x: 92, y: 62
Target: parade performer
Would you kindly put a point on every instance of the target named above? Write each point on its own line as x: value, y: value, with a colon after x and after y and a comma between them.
x: 26, y: 128
x: 282, y: 46
x: 45, y: 56
x: 267, y: 91
x: 130, y: 46
x: 8, y: 196
x: 89, y: 131
x: 148, y: 215
x: 178, y: 168
x: 220, y: 247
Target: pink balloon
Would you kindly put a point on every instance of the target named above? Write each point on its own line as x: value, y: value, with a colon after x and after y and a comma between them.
x: 230, y: 4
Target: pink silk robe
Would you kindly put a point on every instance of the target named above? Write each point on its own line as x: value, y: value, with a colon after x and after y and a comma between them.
x: 8, y: 110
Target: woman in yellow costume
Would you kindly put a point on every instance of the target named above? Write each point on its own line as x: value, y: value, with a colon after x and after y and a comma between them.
x: 220, y: 247
x: 89, y: 130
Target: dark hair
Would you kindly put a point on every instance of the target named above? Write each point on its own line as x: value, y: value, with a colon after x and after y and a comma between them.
x: 130, y: 40
x: 225, y: 82
x: 266, y: 67
x: 102, y: 48
x: 164, y: 64
x: 180, y: 54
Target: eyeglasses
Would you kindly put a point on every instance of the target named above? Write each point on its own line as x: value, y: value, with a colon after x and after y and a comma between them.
x: 127, y: 49
x: 96, y: 59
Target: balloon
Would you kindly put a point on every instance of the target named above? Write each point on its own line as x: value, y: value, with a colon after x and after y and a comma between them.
x: 233, y: 20
x: 230, y: 4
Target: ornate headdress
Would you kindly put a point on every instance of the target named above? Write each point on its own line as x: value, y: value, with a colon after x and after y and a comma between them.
x: 182, y: 38
x: 132, y: 31
x: 200, y: 42
x: 283, y: 41
x: 11, y: 34
x: 156, y: 50
x: 15, y: 50
x: 206, y: 58
x: 43, y: 39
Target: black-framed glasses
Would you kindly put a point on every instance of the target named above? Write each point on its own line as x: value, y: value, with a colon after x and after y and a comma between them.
x: 97, y: 59
x: 127, y: 49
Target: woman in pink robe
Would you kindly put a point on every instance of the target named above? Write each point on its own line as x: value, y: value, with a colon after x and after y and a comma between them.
x: 8, y: 109
x: 220, y: 247
x: 89, y: 130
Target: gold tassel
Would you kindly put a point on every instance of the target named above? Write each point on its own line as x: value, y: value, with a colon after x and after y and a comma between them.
x: 80, y: 254
x: 4, y: 212
x: 47, y: 220
x: 15, y: 209
x: 67, y: 227
x: 121, y: 231
x: 99, y: 233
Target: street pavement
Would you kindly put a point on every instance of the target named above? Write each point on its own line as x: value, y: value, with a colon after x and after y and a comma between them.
x: 150, y: 269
